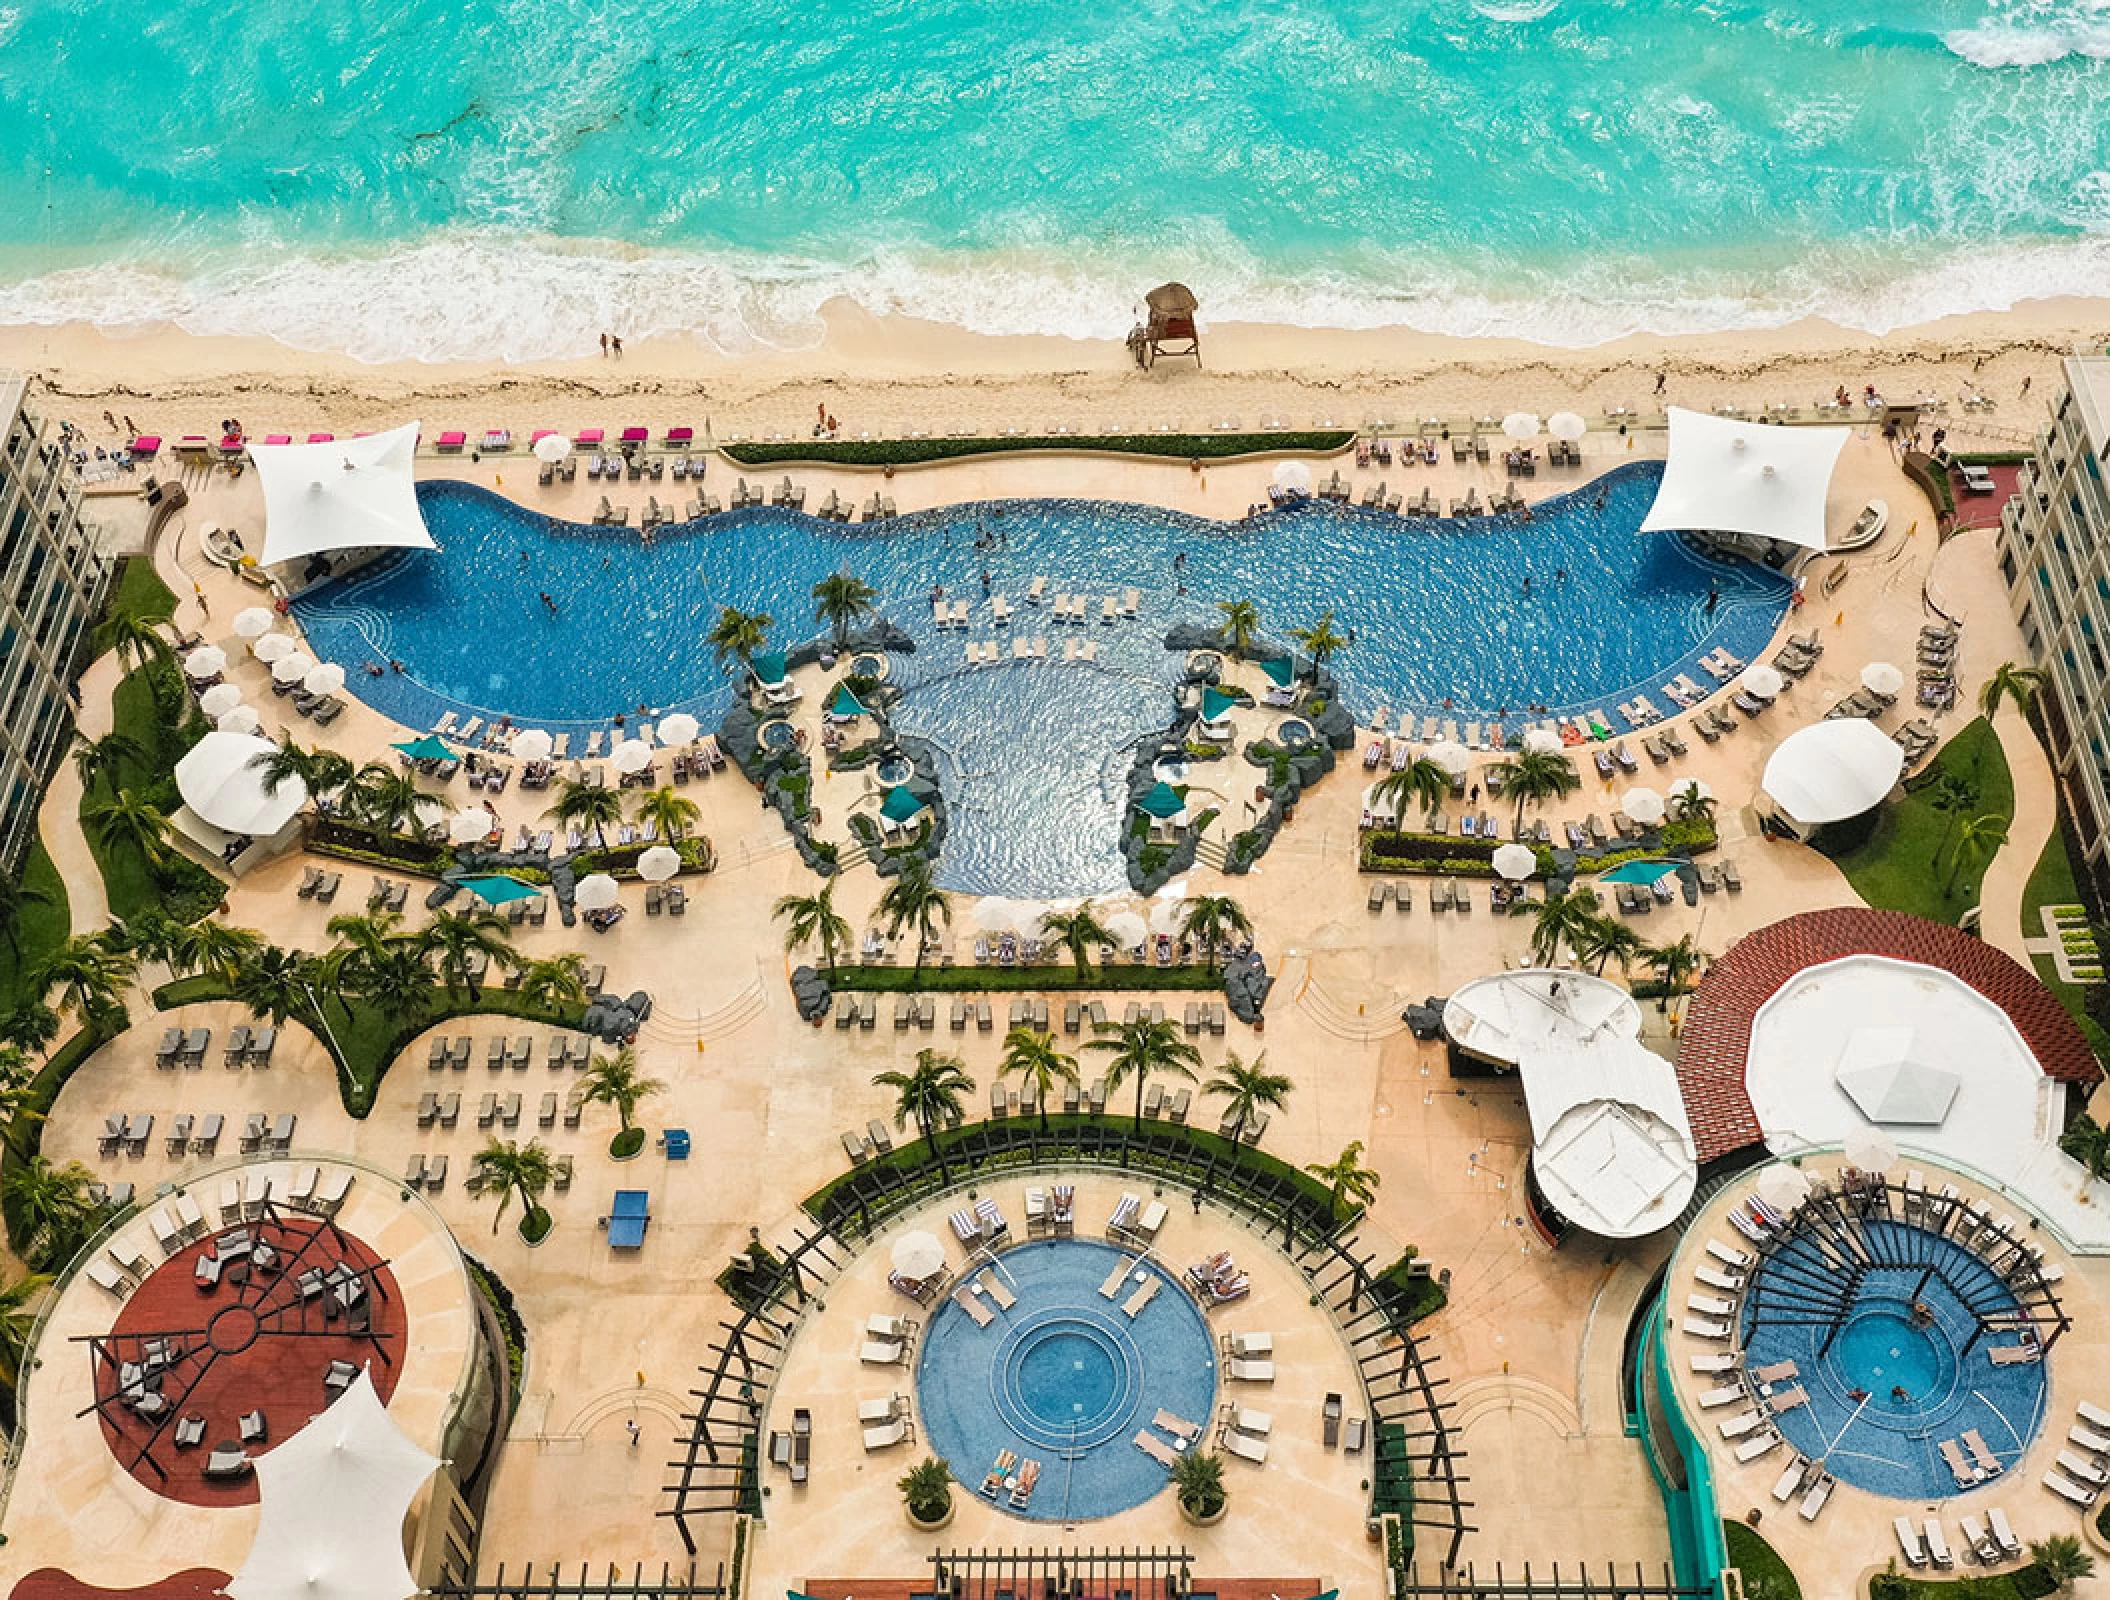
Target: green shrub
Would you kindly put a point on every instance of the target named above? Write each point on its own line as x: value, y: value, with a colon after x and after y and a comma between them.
x: 908, y: 452
x: 1017, y: 980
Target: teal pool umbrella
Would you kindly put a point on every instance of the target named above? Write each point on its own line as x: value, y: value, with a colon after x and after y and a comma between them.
x: 427, y: 748
x: 899, y: 804
x: 1214, y: 704
x: 1162, y: 801
x: 769, y: 667
x: 499, y: 889
x: 1280, y: 671
x: 846, y: 704
x: 1644, y: 872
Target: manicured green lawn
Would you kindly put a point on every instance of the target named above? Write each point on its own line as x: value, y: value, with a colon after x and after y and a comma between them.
x: 184, y: 889
x: 40, y: 929
x: 139, y: 592
x: 2027, y: 1583
x: 1906, y: 862
x: 1759, y: 1562
x: 2051, y: 883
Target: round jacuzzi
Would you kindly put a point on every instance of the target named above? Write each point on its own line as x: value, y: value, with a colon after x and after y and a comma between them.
x: 776, y: 736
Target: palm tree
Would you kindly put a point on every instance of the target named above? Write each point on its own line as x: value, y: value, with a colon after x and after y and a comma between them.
x: 586, y: 805
x: 2061, y: 1559
x: 1607, y: 939
x: 2088, y: 1142
x: 88, y: 978
x: 51, y: 1206
x: 274, y: 984
x: 18, y: 1314
x: 1031, y: 1057
x: 32, y: 1025
x: 1676, y: 964
x: 618, y: 1081
x: 1198, y: 1481
x: 811, y: 918
x: 1978, y: 840
x: 1247, y: 1090
x: 932, y: 1094
x: 212, y: 947
x: 455, y: 938
x: 1353, y: 1185
x: 510, y: 1168
x: 128, y: 822
x: 670, y: 811
x: 400, y: 982
x: 913, y: 900
x: 841, y: 600
x: 286, y: 763
x: 2010, y: 685
x: 1420, y: 779
x: 386, y: 799
x: 1079, y: 931
x: 328, y: 772
x: 1241, y: 625
x: 137, y: 640
x: 1211, y: 919
x: 15, y: 895
x: 1143, y: 1050
x: 1688, y: 804
x: 1536, y: 776
x: 1562, y: 919
x: 100, y: 761
x: 368, y: 937
x: 1319, y: 641
x: 555, y: 984
x: 739, y: 635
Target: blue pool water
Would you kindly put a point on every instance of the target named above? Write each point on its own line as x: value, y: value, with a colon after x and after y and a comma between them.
x: 1918, y: 1382
x: 1065, y: 1379
x: 428, y: 180
x: 1034, y: 756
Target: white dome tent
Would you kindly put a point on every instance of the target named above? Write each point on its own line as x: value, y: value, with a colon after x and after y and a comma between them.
x: 227, y: 811
x: 1829, y: 772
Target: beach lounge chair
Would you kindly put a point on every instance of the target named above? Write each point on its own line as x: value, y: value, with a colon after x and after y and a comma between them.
x: 888, y: 1434
x: 1910, y: 1545
x: 1243, y: 1445
x: 1243, y: 1370
x: 2003, y: 1533
x: 2066, y: 1489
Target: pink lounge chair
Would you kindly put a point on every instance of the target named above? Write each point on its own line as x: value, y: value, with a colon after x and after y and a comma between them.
x: 322, y: 438
x: 676, y: 437
x: 278, y: 438
x: 637, y: 435
x: 453, y: 439
x: 193, y: 444
x: 539, y: 434
x: 231, y: 443
x: 589, y: 436
x: 147, y: 446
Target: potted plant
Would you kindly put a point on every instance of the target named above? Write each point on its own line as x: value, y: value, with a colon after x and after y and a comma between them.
x: 926, y: 1492
x: 1198, y: 1480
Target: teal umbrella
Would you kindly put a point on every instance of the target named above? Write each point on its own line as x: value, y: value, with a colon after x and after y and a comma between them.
x: 1644, y: 872
x: 1162, y: 801
x: 498, y: 889
x: 846, y: 704
x: 769, y: 666
x: 1214, y: 704
x: 1281, y: 671
x: 899, y: 804
x: 428, y: 748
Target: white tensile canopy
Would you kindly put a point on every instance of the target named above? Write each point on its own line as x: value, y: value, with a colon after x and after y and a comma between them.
x: 1611, y: 1144
x: 334, y: 1499
x: 1888, y: 1080
x: 349, y: 494
x: 1832, y: 770
x: 221, y: 780
x: 1726, y: 475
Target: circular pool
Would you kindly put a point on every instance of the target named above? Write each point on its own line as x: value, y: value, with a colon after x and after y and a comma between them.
x: 776, y: 735
x: 1293, y: 733
x: 868, y: 666
x: 895, y: 769
x: 1066, y: 1378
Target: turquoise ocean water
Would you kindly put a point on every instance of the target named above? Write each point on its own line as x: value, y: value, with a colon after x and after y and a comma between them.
x: 504, y: 178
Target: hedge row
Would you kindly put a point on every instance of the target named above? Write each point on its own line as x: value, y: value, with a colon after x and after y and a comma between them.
x: 910, y: 452
x: 1013, y: 980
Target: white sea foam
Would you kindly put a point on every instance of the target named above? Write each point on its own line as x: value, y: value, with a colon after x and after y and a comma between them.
x: 492, y: 296
x: 2035, y: 33
x: 1515, y: 10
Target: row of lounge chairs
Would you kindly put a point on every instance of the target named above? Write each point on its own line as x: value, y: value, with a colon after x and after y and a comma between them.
x: 562, y: 1051
x: 444, y: 1109
x: 2080, y: 1478
x: 247, y: 1046
x: 318, y: 885
x: 1926, y: 1543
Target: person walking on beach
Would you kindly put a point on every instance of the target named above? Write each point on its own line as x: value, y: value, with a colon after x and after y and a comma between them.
x: 604, y: 347
x: 1662, y: 383
x: 615, y: 345
x: 2025, y: 385
x: 631, y: 1424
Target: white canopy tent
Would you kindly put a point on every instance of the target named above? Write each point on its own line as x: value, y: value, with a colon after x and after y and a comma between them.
x: 334, y: 1499
x: 349, y: 494
x: 1830, y: 771
x: 1727, y: 475
x: 221, y: 781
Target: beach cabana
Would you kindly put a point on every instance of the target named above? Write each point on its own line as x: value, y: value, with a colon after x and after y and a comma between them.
x: 845, y: 706
x: 772, y: 676
x: 334, y: 505
x: 227, y: 811
x: 1168, y: 327
x: 1281, y: 671
x: 428, y: 747
x: 1729, y: 477
x: 1216, y: 708
x: 1829, y: 772
x: 1163, y: 802
x: 901, y: 807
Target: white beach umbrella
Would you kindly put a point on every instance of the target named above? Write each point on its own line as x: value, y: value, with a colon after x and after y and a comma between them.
x: 1515, y: 861
x: 532, y: 744
x: 1521, y: 425
x: 994, y: 913
x: 552, y: 447
x: 1544, y: 740
x: 220, y: 699
x: 466, y: 827
x: 293, y: 668
x: 429, y: 811
x: 659, y: 863
x: 1783, y: 1186
x: 326, y: 678
x: 1870, y: 1149
x: 1167, y: 915
x: 680, y: 728
x: 1566, y: 425
x: 1763, y: 682
x: 631, y: 755
x: 1293, y: 477
x: 1450, y: 755
x: 273, y: 647
x: 1880, y: 677
x: 207, y: 661
x: 1644, y: 805
x: 253, y: 622
x: 596, y: 892
x: 918, y: 1255
x: 242, y: 719
x: 1127, y: 927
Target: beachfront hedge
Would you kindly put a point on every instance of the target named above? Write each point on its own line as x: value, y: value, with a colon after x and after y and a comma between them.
x: 912, y: 452
x: 1017, y: 980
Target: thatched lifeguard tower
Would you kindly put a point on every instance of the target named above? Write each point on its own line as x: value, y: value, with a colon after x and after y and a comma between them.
x: 1168, y: 326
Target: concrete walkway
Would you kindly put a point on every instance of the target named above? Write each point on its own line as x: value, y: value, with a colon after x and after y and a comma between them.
x: 2036, y: 814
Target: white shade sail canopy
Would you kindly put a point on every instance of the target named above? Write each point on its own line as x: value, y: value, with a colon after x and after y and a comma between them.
x: 1832, y: 770
x: 334, y: 1499
x: 348, y: 494
x: 1726, y: 475
x: 222, y: 780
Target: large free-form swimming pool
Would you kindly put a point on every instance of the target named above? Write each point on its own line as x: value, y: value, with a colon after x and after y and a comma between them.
x: 1035, y: 753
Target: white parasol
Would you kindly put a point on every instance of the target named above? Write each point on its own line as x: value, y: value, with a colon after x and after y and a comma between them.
x: 631, y: 755
x: 1521, y: 425
x: 220, y: 699
x: 551, y: 447
x: 1166, y: 916
x: 1880, y: 677
x: 659, y: 863
x: 242, y: 719
x: 253, y: 622
x: 326, y: 678
x: 1515, y: 862
x: 918, y: 1255
x: 466, y: 827
x: 596, y: 892
x: 994, y: 913
x: 1566, y: 425
x: 1544, y: 740
x: 273, y: 647
x: 1870, y: 1149
x: 1128, y: 928
x: 680, y: 728
x: 1293, y: 477
x: 293, y: 668
x: 207, y: 661
x: 1644, y: 805
x: 1448, y: 754
x: 1783, y: 1187
x: 532, y: 744
x: 1763, y: 682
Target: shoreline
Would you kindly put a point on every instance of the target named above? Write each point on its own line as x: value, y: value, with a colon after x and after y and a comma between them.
x: 894, y: 375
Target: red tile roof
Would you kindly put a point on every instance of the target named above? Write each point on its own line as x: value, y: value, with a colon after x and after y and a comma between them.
x: 1716, y: 1038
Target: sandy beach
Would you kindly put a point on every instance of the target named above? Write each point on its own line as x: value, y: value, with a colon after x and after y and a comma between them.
x: 892, y: 375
